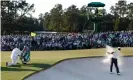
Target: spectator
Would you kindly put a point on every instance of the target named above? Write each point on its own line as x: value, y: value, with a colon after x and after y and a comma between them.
x: 68, y: 41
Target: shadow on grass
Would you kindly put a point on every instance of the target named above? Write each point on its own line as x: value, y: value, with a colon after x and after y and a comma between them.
x: 18, y: 67
x: 38, y: 65
x: 15, y: 69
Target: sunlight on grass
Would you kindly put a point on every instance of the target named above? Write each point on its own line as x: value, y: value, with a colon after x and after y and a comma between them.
x: 45, y: 59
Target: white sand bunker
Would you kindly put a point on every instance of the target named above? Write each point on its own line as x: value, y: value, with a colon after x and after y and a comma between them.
x: 85, y: 69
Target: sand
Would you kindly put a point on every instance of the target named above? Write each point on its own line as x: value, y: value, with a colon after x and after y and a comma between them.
x: 85, y: 69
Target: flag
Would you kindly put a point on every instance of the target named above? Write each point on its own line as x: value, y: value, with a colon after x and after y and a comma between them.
x: 33, y: 34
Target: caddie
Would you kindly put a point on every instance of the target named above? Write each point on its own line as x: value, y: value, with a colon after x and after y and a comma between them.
x: 16, y: 52
x: 24, y: 56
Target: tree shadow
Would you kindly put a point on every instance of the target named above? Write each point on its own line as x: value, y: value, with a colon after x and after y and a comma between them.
x: 38, y: 65
x: 18, y: 67
x: 15, y: 69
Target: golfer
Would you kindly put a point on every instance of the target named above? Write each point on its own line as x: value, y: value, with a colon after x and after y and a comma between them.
x: 114, y: 60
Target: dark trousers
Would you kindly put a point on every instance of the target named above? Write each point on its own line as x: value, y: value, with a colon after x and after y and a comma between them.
x: 114, y: 61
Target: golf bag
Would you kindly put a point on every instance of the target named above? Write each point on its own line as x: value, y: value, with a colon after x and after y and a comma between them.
x: 25, y: 55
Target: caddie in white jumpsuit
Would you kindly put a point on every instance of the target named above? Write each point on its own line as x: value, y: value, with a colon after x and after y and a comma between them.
x: 16, y: 52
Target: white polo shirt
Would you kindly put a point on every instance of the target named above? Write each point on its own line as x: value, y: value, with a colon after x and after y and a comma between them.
x: 116, y: 54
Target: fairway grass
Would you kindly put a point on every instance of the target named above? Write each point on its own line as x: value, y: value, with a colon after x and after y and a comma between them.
x: 45, y: 59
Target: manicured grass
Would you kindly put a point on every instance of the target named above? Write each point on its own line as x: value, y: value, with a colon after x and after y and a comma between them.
x: 45, y: 59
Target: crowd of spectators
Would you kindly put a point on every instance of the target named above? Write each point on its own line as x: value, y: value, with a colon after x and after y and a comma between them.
x: 68, y: 41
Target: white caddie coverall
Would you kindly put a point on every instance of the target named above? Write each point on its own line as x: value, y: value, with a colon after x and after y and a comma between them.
x: 14, y: 56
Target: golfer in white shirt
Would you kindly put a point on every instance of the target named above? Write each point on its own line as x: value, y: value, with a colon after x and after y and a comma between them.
x: 114, y: 60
